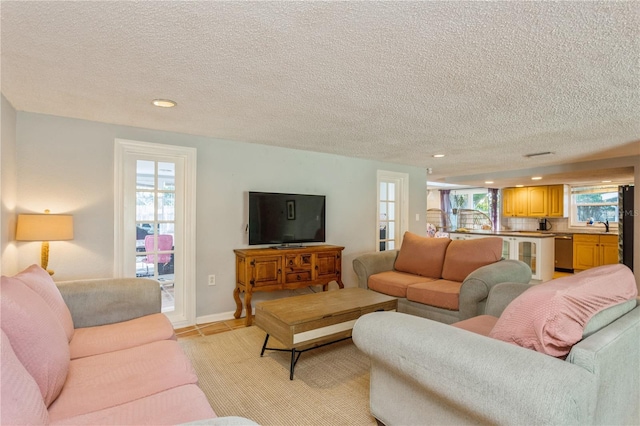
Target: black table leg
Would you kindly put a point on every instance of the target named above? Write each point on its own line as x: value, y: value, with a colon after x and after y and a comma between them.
x: 264, y: 346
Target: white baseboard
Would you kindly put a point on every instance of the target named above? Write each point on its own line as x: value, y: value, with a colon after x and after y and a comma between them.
x: 222, y: 316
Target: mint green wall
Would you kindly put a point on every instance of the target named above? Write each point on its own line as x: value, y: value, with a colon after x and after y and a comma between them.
x: 66, y: 165
x: 8, y: 187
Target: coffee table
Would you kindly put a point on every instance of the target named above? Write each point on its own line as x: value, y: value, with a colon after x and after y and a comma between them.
x: 310, y: 321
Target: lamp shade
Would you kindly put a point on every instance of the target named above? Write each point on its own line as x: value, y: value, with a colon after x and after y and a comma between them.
x: 44, y: 227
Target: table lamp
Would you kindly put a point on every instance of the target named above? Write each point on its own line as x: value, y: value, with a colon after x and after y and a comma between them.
x: 44, y: 227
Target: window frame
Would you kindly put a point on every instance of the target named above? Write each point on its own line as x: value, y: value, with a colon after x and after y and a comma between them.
x: 595, y: 189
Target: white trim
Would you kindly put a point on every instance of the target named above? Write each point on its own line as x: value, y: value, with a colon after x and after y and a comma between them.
x: 305, y: 336
x: 185, y: 217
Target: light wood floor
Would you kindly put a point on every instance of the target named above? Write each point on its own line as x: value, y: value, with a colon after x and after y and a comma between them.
x: 209, y: 328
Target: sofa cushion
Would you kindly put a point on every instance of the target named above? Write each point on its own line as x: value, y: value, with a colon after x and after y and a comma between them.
x: 394, y: 283
x: 122, y: 335
x: 439, y: 293
x: 103, y: 381
x: 174, y: 406
x: 39, y: 280
x: 36, y: 335
x: 21, y: 402
x: 465, y: 256
x: 421, y: 255
x: 551, y: 317
x: 482, y: 324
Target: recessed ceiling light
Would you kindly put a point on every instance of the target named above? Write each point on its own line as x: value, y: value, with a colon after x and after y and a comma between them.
x: 164, y: 103
x: 606, y: 181
x: 488, y: 181
x: 519, y: 186
x: 536, y: 178
x: 438, y: 155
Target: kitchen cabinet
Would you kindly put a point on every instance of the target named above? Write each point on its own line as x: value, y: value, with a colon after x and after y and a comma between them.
x: 558, y: 200
x: 537, y: 252
x: 514, y: 202
x: 535, y: 201
x: 592, y: 250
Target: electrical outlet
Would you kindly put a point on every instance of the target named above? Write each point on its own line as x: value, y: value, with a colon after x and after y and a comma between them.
x: 212, y: 280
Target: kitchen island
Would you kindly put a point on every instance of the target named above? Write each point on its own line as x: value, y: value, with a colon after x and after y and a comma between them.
x: 534, y: 248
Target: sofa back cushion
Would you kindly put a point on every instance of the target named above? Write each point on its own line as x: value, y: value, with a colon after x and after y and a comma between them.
x: 551, y: 317
x: 465, y: 256
x: 39, y: 280
x: 36, y: 336
x: 421, y: 255
x: 21, y: 402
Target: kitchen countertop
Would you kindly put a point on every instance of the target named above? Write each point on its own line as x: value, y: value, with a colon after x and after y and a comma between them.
x: 535, y: 234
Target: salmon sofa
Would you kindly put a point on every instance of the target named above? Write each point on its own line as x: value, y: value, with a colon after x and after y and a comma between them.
x: 438, y: 278
x: 93, y: 352
x: 564, y: 352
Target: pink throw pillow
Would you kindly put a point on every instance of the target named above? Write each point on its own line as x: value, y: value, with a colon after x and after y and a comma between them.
x: 39, y: 280
x: 21, y: 402
x: 421, y: 255
x: 465, y: 256
x: 550, y: 317
x: 37, y: 338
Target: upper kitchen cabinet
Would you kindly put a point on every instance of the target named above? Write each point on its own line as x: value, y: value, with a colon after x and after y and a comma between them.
x: 558, y: 200
x: 536, y: 201
x: 515, y: 202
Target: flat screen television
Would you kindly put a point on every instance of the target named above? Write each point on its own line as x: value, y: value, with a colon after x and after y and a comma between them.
x: 286, y: 219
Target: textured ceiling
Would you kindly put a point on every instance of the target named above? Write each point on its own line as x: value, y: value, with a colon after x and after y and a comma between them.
x: 482, y: 82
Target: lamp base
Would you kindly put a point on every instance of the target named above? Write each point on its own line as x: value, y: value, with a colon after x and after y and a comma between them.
x: 44, y: 257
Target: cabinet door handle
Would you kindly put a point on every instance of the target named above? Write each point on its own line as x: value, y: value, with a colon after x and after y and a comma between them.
x: 299, y: 278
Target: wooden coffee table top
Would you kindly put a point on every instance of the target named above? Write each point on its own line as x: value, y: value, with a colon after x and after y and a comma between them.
x: 310, y: 307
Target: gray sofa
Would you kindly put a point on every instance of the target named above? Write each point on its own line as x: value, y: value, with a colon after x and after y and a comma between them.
x: 425, y: 372
x: 473, y: 292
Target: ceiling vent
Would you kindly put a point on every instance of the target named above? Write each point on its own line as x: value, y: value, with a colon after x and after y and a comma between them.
x: 538, y: 154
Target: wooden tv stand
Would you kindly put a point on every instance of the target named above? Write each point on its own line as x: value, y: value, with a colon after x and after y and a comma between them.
x: 271, y: 269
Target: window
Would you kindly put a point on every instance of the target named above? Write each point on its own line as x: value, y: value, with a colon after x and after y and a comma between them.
x: 593, y: 204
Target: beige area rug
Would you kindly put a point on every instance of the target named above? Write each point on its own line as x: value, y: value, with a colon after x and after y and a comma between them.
x: 330, y: 385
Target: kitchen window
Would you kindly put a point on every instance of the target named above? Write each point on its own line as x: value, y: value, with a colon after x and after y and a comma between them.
x: 593, y: 204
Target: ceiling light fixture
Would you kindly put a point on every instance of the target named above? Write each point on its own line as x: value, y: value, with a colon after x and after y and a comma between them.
x: 164, y: 103
x: 488, y: 181
x: 606, y: 181
x: 519, y: 186
x: 438, y: 155
x: 536, y: 178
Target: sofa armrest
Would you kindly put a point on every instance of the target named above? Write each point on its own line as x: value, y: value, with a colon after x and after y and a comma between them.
x: 373, y: 263
x: 501, y: 295
x: 452, y: 374
x: 475, y: 288
x: 110, y: 300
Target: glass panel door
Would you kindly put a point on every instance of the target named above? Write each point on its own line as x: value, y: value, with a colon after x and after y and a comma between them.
x: 527, y: 254
x: 387, y: 206
x: 155, y: 225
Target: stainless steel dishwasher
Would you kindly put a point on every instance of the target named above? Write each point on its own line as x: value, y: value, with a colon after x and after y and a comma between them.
x: 564, y: 252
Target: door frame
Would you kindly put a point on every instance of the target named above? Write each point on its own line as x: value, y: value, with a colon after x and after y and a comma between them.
x: 122, y: 240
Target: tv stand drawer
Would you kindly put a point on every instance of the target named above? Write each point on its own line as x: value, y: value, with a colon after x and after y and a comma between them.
x: 298, y: 276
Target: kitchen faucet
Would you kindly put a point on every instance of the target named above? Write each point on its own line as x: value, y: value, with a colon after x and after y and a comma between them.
x: 606, y: 225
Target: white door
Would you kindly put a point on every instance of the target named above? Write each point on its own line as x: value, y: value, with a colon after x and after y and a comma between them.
x: 392, y: 210
x: 155, y: 213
